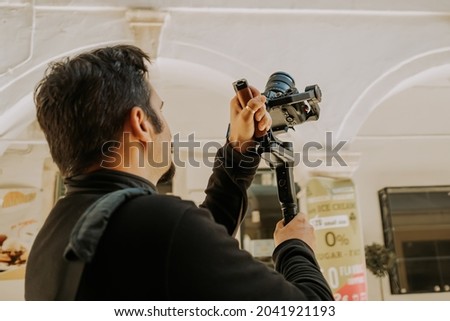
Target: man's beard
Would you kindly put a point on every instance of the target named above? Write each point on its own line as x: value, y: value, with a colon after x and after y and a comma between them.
x: 168, y: 175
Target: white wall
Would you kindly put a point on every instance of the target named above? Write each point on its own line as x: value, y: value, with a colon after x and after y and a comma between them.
x: 405, y: 142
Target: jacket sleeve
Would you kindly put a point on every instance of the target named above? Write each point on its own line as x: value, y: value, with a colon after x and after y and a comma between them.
x: 205, y: 263
x: 226, y: 193
x: 296, y: 261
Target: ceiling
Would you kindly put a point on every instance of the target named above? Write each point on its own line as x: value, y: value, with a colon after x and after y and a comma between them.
x: 360, y: 54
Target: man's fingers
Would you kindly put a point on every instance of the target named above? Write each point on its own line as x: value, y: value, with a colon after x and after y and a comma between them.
x: 265, y: 123
x: 247, y: 113
x: 280, y: 224
x: 257, y: 103
x: 260, y: 113
x: 253, y: 105
x: 252, y: 108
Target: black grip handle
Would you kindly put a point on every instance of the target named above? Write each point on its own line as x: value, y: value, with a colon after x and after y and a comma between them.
x: 286, y: 192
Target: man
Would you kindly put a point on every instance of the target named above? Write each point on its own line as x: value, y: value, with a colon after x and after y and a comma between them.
x: 102, y: 118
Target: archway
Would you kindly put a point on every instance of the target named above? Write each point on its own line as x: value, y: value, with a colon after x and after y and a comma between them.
x: 429, y: 65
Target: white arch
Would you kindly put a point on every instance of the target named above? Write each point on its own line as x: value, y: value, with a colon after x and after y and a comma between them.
x: 429, y: 65
x: 22, y: 113
x: 223, y: 63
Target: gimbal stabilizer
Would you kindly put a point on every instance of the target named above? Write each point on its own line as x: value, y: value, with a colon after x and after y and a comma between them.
x: 287, y: 108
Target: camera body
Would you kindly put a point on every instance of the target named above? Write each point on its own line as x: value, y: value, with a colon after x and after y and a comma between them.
x: 286, y: 105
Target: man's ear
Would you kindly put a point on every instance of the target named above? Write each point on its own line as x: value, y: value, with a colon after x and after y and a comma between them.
x: 140, y: 126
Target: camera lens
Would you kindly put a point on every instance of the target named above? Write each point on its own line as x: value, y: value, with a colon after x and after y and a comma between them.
x: 279, y: 83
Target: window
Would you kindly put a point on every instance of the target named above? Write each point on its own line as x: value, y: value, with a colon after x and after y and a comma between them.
x: 416, y: 225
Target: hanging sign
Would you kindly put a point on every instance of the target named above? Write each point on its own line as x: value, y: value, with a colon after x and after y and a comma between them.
x: 331, y: 207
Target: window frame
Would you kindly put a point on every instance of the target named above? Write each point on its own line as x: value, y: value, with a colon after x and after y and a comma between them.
x: 396, y: 236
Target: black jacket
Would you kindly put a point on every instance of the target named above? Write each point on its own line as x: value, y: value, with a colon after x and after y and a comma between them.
x: 159, y: 247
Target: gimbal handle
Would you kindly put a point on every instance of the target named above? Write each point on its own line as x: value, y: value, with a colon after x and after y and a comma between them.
x: 280, y: 156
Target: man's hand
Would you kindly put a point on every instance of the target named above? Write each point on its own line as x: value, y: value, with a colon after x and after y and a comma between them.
x: 297, y: 228
x: 243, y: 120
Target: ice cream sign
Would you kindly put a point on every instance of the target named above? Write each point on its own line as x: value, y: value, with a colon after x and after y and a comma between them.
x: 335, y: 221
x: 331, y: 208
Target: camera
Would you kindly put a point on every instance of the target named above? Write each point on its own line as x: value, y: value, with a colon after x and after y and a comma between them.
x: 286, y: 105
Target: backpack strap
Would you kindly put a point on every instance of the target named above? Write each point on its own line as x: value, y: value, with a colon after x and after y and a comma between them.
x: 71, y: 281
x: 86, y: 235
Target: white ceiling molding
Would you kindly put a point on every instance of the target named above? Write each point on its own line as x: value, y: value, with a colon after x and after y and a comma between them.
x: 146, y: 26
x: 407, y: 73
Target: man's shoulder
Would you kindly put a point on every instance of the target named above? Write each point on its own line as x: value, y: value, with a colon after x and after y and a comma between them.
x: 158, y: 204
x: 160, y: 214
x: 163, y: 199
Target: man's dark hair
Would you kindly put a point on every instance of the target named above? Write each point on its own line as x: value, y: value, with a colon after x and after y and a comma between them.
x: 83, y: 102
